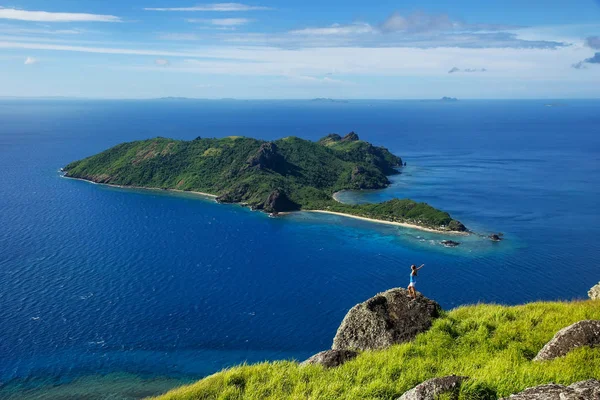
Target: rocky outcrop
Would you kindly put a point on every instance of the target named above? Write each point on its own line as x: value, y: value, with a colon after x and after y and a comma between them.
x: 431, y: 389
x: 329, y: 139
x: 351, y: 137
x: 357, y: 171
x: 450, y: 243
x: 331, y: 358
x: 582, y: 333
x: 594, y: 292
x: 267, y: 157
x: 495, y: 237
x: 389, y: 318
x: 585, y: 390
x: 234, y: 195
x: 457, y: 226
x: 278, y: 201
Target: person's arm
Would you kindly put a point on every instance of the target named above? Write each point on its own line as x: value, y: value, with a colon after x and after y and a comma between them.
x: 421, y: 266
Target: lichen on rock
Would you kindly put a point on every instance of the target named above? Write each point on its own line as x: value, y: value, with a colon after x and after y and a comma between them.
x: 388, y: 318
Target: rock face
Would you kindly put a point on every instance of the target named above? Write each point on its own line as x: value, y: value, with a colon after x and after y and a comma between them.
x: 594, y: 292
x: 431, y: 389
x: 351, y: 137
x: 331, y: 358
x: 278, y: 201
x: 267, y: 157
x: 585, y: 390
x: 386, y: 319
x: 582, y: 333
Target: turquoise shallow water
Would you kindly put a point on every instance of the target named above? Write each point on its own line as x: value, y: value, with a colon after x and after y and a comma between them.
x: 151, y: 289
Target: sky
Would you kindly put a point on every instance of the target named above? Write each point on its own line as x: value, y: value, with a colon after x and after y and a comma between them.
x: 300, y: 49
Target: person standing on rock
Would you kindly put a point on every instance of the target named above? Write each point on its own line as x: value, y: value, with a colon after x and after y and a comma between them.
x: 414, y: 271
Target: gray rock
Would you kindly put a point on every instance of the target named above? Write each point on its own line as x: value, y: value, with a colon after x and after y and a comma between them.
x: 582, y: 333
x: 585, y: 390
x: 432, y: 388
x: 389, y: 318
x: 331, y: 358
x: 594, y: 292
x: 278, y: 201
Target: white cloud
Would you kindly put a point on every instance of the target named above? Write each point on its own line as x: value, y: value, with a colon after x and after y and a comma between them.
x: 31, y: 61
x: 17, y: 30
x: 227, y: 22
x: 95, y: 50
x: 418, y: 22
x: 468, y: 70
x: 317, y: 62
x: 44, y: 16
x: 162, y: 62
x: 337, y: 29
x: 317, y: 80
x: 223, y: 7
x: 179, y: 36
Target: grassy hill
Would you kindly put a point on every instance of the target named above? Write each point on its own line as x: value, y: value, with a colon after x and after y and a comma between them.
x: 284, y: 175
x: 491, y: 344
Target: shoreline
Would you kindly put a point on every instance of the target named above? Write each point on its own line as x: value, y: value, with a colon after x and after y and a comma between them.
x: 381, y: 221
x: 142, y: 187
x: 203, y: 194
x: 335, y: 196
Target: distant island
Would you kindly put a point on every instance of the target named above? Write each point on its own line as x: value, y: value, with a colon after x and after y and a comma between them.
x: 328, y: 100
x: 284, y: 175
x: 442, y: 100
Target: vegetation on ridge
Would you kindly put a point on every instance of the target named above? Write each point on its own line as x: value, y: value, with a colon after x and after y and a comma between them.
x: 491, y: 344
x: 284, y: 175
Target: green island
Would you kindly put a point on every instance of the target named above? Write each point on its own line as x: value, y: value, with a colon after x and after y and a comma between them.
x: 284, y: 175
x: 493, y: 345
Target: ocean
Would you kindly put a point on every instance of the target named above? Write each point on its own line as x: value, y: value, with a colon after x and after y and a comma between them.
x: 108, y: 292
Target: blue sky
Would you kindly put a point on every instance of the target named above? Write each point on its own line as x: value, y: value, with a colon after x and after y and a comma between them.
x: 300, y: 49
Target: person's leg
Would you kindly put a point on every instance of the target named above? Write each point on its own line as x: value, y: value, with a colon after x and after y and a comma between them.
x: 411, y: 291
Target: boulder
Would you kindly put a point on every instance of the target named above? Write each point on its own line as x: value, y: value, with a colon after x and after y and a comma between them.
x: 331, y: 358
x: 582, y: 333
x: 594, y: 292
x: 431, y: 389
x: 585, y: 390
x: 389, y: 318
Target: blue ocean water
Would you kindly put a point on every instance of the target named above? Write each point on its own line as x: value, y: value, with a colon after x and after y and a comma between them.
x: 151, y: 289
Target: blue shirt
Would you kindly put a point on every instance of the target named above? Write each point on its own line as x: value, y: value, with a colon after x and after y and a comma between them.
x: 413, y: 278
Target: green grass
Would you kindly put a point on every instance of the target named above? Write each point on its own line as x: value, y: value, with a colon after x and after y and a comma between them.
x: 491, y: 344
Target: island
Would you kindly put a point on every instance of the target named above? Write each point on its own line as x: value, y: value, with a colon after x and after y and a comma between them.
x: 289, y: 174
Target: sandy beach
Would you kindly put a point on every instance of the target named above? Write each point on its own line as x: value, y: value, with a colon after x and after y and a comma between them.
x: 377, y: 221
x: 402, y: 224
x: 335, y: 197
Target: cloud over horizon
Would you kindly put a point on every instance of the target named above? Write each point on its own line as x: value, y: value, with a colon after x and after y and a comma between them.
x: 31, y: 61
x: 593, y: 42
x: 416, y: 30
x: 468, y: 70
x: 222, y: 22
x: 214, y: 7
x: 44, y: 16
